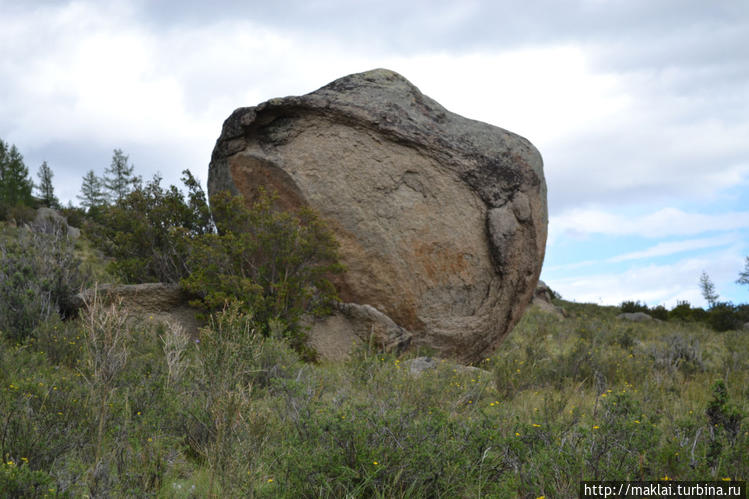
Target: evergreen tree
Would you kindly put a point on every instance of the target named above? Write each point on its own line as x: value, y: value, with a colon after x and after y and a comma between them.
x: 708, y: 289
x: 118, y: 178
x: 15, y: 184
x: 45, y: 187
x: 92, y: 191
x: 744, y: 275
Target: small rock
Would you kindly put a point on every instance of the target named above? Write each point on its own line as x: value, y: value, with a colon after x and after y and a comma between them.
x: 420, y: 364
x: 635, y: 316
x: 351, y: 325
x: 49, y: 221
x: 542, y: 300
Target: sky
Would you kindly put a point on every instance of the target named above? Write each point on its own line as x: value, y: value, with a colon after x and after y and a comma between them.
x: 640, y: 108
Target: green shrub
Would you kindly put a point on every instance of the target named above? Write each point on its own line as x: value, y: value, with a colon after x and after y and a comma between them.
x: 619, y: 438
x: 660, y: 312
x: 19, y: 480
x: 678, y: 352
x: 61, y: 341
x: 21, y: 214
x: 233, y: 354
x: 235, y: 362
x: 276, y: 264
x: 43, y: 411
x: 633, y: 306
x: 358, y: 450
x: 683, y: 311
x: 742, y: 313
x: 149, y: 230
x: 722, y: 317
x: 725, y: 422
x: 39, y: 274
x: 75, y: 216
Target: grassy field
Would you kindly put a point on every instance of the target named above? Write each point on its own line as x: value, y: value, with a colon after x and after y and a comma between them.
x: 105, y: 407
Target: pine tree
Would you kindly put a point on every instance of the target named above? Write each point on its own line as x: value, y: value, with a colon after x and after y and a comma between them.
x: 45, y: 187
x: 708, y: 289
x: 15, y: 184
x: 92, y: 192
x: 744, y: 275
x: 118, y: 178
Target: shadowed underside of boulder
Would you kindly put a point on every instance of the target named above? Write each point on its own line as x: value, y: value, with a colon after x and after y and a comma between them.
x: 441, y: 220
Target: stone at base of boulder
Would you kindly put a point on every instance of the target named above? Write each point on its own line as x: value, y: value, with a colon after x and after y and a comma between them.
x: 333, y: 338
x: 350, y: 326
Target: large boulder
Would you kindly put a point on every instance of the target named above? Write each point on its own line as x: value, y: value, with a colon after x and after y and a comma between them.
x: 441, y: 220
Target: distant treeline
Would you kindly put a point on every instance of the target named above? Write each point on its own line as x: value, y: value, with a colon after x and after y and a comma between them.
x: 721, y: 316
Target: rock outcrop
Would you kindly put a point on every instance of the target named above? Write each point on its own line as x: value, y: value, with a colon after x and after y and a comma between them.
x: 441, y: 220
x: 151, y: 302
x: 635, y: 316
x: 50, y: 221
x: 542, y: 299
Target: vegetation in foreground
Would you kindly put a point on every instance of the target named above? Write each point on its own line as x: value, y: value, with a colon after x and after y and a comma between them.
x: 107, y: 407
x: 104, y: 405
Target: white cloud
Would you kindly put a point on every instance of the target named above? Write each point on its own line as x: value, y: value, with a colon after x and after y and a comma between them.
x: 99, y: 75
x: 544, y: 93
x: 624, y: 115
x: 658, y: 250
x: 674, y: 247
x: 662, y: 223
x: 99, y: 79
x: 655, y: 284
